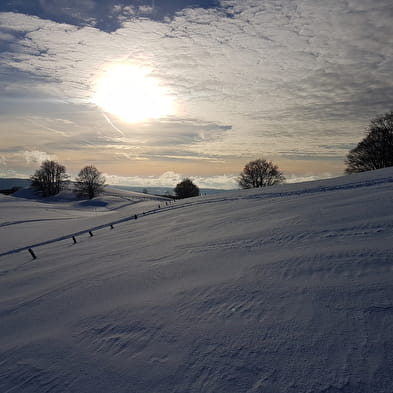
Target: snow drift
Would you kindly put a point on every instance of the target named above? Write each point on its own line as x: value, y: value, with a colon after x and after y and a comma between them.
x: 286, y: 289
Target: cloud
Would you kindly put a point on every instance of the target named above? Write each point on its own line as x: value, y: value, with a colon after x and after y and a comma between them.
x: 167, y: 179
x: 296, y: 64
x: 181, y: 132
x: 6, y: 36
x: 170, y: 179
x: 89, y: 131
x: 145, y: 9
x: 225, y: 182
x: 37, y: 156
x: 309, y: 177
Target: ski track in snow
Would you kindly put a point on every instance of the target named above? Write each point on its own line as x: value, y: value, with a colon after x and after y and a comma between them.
x: 6, y: 224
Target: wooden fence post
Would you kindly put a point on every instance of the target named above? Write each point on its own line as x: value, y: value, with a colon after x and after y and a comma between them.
x: 32, y: 253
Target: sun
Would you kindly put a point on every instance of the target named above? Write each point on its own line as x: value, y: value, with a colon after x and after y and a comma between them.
x: 131, y: 94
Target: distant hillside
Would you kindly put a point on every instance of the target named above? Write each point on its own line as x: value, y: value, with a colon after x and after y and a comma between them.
x: 166, y: 190
x: 10, y: 185
x: 6, y: 183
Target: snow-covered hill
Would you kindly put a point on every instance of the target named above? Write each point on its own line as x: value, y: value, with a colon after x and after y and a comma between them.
x: 26, y: 219
x: 286, y: 289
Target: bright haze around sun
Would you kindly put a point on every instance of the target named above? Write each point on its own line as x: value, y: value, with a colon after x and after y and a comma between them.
x: 153, y: 91
x: 129, y: 93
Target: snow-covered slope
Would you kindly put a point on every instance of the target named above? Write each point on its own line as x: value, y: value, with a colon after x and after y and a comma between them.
x: 287, y: 289
x: 26, y: 219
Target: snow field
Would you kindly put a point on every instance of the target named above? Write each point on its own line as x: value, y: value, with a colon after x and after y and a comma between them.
x: 280, y: 290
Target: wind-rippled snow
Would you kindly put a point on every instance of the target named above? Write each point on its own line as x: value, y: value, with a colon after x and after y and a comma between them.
x: 286, y: 289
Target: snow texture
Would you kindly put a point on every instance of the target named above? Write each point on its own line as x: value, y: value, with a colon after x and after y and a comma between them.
x: 285, y: 289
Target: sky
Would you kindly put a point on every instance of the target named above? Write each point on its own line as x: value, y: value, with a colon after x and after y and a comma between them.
x: 153, y: 91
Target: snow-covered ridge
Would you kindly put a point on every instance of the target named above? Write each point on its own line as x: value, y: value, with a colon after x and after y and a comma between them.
x: 285, y: 289
x: 64, y: 215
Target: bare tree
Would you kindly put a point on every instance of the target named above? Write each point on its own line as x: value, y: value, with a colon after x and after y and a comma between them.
x: 375, y: 150
x: 260, y: 173
x: 186, y: 188
x: 90, y: 182
x: 50, y: 178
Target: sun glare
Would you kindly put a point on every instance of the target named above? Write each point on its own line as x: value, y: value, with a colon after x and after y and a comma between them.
x: 129, y: 93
